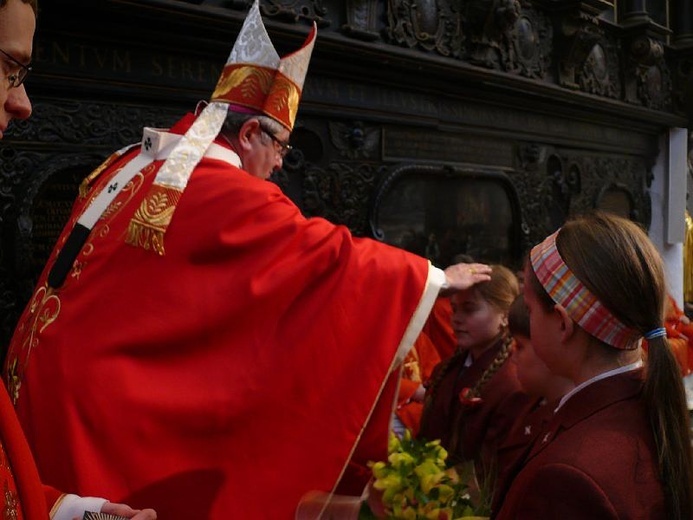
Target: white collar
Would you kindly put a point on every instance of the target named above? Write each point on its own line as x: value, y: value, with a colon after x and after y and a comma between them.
x: 603, y: 375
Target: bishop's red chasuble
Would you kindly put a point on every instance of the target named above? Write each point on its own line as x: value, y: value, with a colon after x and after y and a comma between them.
x: 22, y: 496
x: 226, y: 378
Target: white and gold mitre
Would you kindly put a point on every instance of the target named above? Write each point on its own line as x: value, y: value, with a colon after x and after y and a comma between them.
x: 254, y: 77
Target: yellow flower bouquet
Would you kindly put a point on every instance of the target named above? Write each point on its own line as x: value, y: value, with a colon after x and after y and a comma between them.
x: 416, y: 483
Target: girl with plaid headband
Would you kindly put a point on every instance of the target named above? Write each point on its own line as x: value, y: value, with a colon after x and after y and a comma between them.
x: 618, y: 445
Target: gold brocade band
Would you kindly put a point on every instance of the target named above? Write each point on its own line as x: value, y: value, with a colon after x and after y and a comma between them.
x: 151, y: 220
x: 261, y: 89
x: 250, y: 83
x: 282, y: 101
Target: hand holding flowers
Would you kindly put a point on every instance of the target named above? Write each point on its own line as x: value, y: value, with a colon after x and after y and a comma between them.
x: 415, y: 484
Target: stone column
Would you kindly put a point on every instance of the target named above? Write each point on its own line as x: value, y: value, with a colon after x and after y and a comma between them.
x: 681, y: 15
x: 634, y: 11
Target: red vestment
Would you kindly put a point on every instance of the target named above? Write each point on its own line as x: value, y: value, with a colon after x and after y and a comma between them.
x: 227, y: 378
x: 418, y: 367
x: 679, y: 335
x: 21, y: 491
x: 438, y: 327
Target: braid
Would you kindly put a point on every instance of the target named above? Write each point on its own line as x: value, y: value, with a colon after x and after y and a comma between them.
x: 438, y: 375
x: 455, y: 448
x: 445, y: 366
x: 498, y: 361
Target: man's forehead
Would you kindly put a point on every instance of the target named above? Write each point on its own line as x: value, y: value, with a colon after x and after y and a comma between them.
x: 17, y: 26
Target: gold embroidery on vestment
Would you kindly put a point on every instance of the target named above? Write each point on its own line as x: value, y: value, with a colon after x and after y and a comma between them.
x: 45, y: 305
x: 102, y: 227
x: 44, y: 309
x: 10, y: 511
x: 149, y: 224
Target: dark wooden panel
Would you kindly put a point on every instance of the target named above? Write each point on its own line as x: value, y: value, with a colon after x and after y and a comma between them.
x: 564, y: 105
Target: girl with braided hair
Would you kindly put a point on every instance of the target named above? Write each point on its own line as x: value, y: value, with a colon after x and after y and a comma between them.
x: 618, y: 445
x: 474, y: 397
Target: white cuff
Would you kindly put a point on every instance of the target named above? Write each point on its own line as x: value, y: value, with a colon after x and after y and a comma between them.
x: 437, y: 277
x: 73, y: 506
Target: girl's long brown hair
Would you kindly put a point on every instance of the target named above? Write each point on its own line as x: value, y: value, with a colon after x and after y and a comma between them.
x: 616, y: 261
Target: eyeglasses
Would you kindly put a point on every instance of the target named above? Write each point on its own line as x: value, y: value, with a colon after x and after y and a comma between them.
x: 284, y: 148
x: 15, y: 79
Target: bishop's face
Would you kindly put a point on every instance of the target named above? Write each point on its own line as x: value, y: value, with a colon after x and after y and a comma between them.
x: 266, y: 153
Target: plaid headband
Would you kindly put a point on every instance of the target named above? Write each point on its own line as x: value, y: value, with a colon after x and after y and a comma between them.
x: 581, y: 305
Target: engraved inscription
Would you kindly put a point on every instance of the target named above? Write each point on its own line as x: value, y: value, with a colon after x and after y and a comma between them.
x: 461, y: 112
x: 460, y: 148
x: 364, y: 95
x: 49, y: 214
x: 138, y: 65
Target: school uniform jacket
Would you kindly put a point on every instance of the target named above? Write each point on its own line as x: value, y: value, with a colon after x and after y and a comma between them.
x: 473, y: 432
x: 517, y: 445
x: 597, y: 460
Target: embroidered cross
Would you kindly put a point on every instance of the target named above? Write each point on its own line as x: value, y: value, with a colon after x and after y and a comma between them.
x: 528, y: 429
x: 112, y: 187
x: 546, y: 437
x: 147, y: 143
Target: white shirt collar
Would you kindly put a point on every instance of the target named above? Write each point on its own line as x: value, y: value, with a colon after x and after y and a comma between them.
x: 603, y: 375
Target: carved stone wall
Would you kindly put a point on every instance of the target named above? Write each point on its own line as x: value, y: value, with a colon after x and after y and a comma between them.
x: 562, y: 104
x: 43, y: 160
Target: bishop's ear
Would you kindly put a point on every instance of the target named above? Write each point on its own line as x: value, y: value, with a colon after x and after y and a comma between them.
x: 246, y: 132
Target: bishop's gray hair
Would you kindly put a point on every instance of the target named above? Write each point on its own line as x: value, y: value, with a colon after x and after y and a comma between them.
x: 234, y: 121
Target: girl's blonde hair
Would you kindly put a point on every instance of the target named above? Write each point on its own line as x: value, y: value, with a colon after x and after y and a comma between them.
x: 501, y: 290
